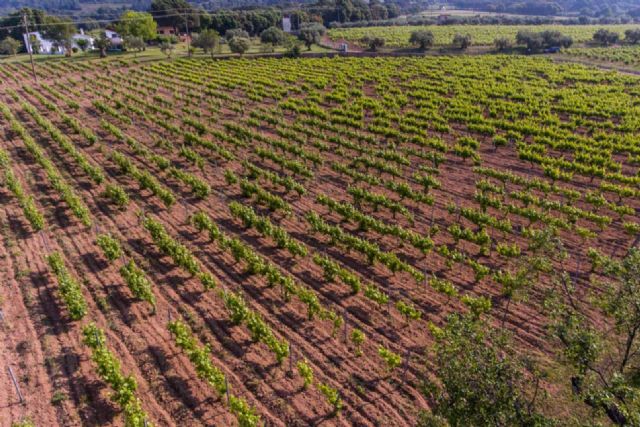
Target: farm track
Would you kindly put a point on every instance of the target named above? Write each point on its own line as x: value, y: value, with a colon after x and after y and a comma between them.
x: 612, y: 66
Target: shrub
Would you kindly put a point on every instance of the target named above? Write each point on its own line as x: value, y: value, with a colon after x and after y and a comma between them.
x: 373, y: 43
x: 462, y: 41
x: 239, y: 45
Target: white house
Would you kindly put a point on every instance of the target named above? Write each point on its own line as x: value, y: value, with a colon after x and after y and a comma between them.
x: 116, y: 39
x: 45, y: 46
x: 82, y: 36
x: 50, y: 47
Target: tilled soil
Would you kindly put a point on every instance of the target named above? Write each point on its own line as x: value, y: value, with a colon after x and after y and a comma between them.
x: 53, y: 367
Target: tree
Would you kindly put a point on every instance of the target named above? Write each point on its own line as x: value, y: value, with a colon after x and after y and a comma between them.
x: 502, y: 43
x: 167, y: 49
x: 83, y: 44
x: 175, y: 14
x: 462, y: 41
x: 35, y: 44
x: 273, y: 35
x: 134, y: 43
x: 533, y: 41
x: 565, y: 41
x: 378, y: 10
x: 236, y: 32
x: 61, y: 31
x: 294, y: 49
x: 9, y: 46
x: 424, y: 39
x: 312, y: 33
x: 544, y: 39
x: 605, y: 363
x: 481, y: 380
x: 208, y: 41
x: 137, y: 24
x: 373, y: 43
x: 632, y: 36
x: 102, y: 43
x: 239, y: 45
x: 11, y: 25
x: 606, y: 37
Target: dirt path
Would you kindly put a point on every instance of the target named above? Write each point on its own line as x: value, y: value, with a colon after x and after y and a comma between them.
x: 597, y: 64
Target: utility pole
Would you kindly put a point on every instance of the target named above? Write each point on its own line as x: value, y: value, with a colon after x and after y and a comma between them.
x: 186, y: 23
x: 29, y: 46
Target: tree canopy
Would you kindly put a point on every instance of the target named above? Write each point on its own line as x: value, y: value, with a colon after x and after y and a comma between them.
x: 311, y: 33
x: 480, y: 379
x: 239, y: 45
x: 10, y: 46
x: 423, y: 38
x: 176, y: 14
x: 137, y: 24
x: 606, y: 364
x: 273, y: 35
x: 208, y: 41
x: 61, y: 31
x: 606, y: 37
x: 11, y: 25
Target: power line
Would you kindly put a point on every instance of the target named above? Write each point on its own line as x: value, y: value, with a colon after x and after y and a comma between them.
x: 177, y: 10
x: 93, y: 21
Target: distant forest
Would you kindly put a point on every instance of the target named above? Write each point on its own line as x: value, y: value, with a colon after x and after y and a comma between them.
x: 589, y: 8
x: 52, y: 6
x: 350, y: 12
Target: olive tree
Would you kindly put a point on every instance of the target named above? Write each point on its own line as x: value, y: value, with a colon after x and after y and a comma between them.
x: 632, y: 36
x: 134, y: 43
x: 373, y: 43
x: 311, y: 34
x: 605, y: 362
x: 102, y: 43
x: 606, y: 37
x: 273, y: 35
x: 422, y: 38
x: 239, y: 45
x: 9, y: 46
x: 167, y: 48
x: 208, y: 41
x: 502, y: 43
x: 480, y: 379
x: 462, y: 41
x: 235, y: 32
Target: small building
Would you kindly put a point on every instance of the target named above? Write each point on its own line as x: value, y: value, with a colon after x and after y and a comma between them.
x: 166, y: 31
x: 170, y: 31
x: 286, y: 24
x: 43, y: 46
x: 82, y: 36
x: 51, y: 47
x: 115, y: 38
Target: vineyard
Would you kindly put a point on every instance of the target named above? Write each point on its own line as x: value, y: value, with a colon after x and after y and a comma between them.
x: 626, y: 55
x: 398, y: 36
x: 277, y: 241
